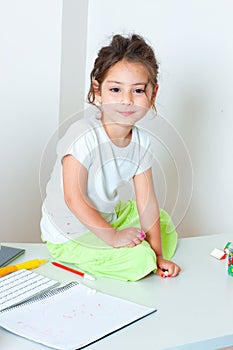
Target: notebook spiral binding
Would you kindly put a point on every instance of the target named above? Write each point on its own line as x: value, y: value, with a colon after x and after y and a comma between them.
x: 41, y: 296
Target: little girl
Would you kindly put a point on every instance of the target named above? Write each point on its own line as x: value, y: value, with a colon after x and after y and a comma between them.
x: 83, y: 220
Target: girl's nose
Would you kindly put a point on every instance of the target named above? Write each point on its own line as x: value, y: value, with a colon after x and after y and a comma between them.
x: 127, y: 98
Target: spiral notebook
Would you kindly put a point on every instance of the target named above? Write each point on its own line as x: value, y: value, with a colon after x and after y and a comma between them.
x: 21, y: 285
x: 71, y: 317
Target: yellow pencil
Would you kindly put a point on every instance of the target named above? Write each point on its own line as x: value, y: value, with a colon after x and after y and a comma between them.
x: 31, y: 264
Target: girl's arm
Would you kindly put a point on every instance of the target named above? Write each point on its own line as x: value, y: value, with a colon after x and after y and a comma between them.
x: 150, y: 220
x: 75, y: 185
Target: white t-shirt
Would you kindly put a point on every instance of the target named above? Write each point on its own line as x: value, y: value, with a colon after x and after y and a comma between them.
x: 108, y: 167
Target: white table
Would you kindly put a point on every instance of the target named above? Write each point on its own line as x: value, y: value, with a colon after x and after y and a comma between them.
x: 195, y: 309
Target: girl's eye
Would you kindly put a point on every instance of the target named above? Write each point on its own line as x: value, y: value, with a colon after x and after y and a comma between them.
x: 139, y: 91
x: 115, y: 89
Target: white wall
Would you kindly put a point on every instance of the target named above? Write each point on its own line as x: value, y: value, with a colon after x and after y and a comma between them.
x: 193, y: 43
x: 30, y: 33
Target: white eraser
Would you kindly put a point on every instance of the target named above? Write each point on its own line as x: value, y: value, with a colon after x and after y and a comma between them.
x: 218, y: 254
x: 91, y: 291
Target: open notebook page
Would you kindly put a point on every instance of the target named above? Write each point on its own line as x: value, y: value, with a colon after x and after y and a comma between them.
x: 71, y: 317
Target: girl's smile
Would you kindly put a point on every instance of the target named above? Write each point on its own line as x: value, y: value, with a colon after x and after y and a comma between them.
x: 127, y: 113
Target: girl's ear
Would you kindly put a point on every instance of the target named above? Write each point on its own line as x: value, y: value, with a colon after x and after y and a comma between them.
x: 154, y: 93
x: 96, y: 88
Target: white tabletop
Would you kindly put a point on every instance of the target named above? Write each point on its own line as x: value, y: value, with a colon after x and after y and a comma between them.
x: 194, y: 309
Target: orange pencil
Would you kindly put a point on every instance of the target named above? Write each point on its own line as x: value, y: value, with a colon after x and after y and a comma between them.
x: 31, y: 264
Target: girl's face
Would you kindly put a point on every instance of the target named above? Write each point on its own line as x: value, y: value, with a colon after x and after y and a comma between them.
x: 125, y: 94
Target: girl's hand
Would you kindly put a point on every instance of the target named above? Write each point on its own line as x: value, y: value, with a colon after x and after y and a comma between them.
x: 166, y: 268
x: 128, y: 237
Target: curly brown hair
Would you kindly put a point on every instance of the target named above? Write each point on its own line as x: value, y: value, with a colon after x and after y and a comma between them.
x: 131, y: 49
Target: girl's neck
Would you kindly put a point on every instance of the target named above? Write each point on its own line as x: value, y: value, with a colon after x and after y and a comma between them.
x: 119, y: 134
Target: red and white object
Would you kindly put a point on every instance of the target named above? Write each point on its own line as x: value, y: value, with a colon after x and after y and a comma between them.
x: 218, y: 254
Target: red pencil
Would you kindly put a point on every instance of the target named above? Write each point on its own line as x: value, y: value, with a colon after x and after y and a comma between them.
x: 82, y: 274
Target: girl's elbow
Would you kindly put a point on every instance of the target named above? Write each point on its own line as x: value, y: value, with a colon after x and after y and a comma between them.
x: 70, y: 202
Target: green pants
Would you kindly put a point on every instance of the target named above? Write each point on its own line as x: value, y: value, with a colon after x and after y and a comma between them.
x: 92, y: 255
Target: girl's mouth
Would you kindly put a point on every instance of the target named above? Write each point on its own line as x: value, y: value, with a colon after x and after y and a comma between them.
x: 126, y: 113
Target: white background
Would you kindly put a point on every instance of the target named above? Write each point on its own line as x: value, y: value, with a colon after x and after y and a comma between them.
x: 47, y: 52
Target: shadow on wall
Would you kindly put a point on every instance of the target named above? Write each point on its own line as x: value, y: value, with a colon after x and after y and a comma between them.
x: 189, y: 113
x: 173, y: 173
x: 204, y: 121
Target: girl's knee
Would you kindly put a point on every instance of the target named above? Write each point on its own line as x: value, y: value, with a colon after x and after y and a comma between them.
x: 142, y: 262
x: 144, y: 253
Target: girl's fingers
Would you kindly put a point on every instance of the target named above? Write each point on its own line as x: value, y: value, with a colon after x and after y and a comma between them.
x: 160, y: 272
x: 176, y: 271
x: 171, y: 272
x: 142, y: 234
x: 137, y: 241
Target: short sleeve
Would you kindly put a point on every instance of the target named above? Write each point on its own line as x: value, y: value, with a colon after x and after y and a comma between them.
x: 82, y: 151
x: 146, y: 158
x: 79, y: 141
